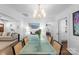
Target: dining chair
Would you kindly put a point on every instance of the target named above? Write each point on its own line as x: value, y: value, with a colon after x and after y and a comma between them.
x: 49, y: 39
x: 17, y: 48
x: 57, y: 46
x: 25, y: 40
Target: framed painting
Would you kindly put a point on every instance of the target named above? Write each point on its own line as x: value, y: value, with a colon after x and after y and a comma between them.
x: 1, y: 27
x: 76, y: 23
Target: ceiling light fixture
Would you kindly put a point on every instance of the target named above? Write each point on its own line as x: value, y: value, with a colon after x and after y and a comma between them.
x: 39, y: 12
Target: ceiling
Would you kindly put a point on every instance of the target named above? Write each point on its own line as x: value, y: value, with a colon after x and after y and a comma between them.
x: 27, y: 10
x: 50, y: 9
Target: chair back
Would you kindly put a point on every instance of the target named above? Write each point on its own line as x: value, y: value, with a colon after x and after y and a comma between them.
x: 17, y: 48
x: 49, y: 39
x: 57, y: 46
x: 25, y: 40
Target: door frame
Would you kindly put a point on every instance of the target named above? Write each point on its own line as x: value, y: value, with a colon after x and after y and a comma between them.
x: 65, y: 18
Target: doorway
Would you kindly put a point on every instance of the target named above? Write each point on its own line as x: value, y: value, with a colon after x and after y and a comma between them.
x: 62, y: 30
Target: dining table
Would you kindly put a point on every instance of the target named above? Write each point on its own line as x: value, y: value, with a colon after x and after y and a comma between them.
x: 38, y: 46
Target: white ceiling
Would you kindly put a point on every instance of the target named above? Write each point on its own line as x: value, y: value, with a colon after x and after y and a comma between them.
x: 17, y: 11
x: 50, y: 9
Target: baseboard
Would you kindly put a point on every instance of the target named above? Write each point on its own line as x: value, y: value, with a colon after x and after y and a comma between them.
x: 72, y: 51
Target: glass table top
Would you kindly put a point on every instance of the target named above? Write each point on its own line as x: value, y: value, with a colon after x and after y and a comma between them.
x: 36, y: 46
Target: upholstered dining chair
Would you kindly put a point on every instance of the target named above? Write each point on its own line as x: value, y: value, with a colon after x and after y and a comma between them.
x: 49, y: 39
x: 17, y: 48
x: 57, y: 46
x: 51, y: 42
x: 25, y: 40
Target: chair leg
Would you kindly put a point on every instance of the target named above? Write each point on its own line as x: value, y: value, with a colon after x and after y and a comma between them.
x: 60, y: 49
x: 13, y: 50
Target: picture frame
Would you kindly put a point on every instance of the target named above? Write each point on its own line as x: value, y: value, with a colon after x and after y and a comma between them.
x: 76, y: 23
x: 1, y: 27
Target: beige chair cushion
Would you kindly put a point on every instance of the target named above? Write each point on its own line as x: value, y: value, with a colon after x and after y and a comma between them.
x: 51, y: 41
x: 6, y: 38
x: 57, y: 46
x: 8, y: 34
x: 4, y: 34
x: 18, y: 47
x: 49, y: 38
x: 25, y: 40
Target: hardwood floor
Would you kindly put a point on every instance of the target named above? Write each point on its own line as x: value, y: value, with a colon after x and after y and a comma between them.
x: 64, y: 50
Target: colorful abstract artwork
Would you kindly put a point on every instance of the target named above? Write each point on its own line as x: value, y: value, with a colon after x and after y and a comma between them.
x: 76, y: 23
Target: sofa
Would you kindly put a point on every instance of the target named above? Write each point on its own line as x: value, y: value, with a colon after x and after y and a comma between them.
x: 8, y: 36
x: 7, y: 40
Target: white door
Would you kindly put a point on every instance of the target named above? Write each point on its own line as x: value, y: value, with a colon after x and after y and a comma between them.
x: 62, y: 29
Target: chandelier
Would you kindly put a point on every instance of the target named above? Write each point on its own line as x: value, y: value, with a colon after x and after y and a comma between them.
x: 39, y: 12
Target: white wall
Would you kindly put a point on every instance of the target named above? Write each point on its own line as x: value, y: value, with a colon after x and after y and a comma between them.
x: 11, y: 25
x: 73, y: 41
x: 53, y: 29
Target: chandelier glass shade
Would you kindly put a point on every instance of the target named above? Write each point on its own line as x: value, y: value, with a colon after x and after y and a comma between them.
x: 39, y: 12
